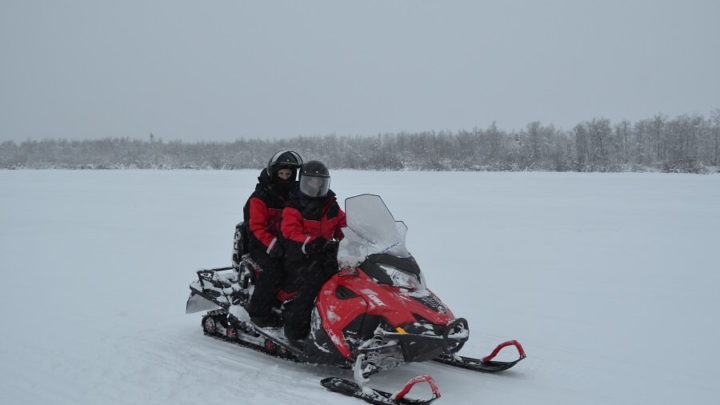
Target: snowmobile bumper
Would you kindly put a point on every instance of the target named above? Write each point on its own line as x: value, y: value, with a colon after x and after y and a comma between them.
x: 417, y: 347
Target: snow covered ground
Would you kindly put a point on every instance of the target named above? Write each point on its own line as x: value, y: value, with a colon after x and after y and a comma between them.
x: 610, y: 281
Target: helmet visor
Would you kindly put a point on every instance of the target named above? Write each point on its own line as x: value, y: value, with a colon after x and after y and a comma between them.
x: 313, y: 186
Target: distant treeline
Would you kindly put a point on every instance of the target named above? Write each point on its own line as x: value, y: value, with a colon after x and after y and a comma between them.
x: 689, y: 144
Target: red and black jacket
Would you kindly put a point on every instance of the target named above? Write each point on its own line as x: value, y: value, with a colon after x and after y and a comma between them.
x: 262, y: 214
x: 305, y: 219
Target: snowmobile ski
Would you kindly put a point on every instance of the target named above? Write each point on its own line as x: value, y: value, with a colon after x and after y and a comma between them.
x: 486, y: 364
x: 360, y: 388
x: 378, y: 397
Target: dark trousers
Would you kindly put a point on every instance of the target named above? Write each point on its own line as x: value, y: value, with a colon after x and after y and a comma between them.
x: 307, y: 278
x: 267, y: 284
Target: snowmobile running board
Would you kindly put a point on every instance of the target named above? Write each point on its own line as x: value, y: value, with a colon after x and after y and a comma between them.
x: 486, y: 364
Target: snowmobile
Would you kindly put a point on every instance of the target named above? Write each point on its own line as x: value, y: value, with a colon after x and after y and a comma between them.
x: 374, y: 314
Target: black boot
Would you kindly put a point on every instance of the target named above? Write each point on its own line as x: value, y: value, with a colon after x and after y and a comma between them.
x: 271, y: 320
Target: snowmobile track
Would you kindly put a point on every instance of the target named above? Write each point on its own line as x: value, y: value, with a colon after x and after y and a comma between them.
x: 271, y: 349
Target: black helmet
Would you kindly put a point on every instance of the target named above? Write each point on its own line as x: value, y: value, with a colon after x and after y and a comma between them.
x: 314, y: 179
x: 285, y: 159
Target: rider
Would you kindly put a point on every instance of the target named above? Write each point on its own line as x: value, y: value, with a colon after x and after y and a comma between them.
x: 310, y: 227
x: 262, y: 215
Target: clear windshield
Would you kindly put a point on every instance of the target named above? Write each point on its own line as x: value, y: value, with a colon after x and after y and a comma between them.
x: 370, y: 229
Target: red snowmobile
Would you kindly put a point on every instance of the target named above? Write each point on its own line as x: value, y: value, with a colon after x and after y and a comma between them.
x: 374, y: 314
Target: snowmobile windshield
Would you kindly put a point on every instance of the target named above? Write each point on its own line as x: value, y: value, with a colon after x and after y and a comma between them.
x: 371, y: 229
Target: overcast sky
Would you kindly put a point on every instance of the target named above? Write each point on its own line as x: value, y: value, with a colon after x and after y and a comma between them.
x: 223, y: 70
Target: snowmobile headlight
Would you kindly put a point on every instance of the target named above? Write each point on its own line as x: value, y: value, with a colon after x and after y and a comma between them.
x: 402, y: 279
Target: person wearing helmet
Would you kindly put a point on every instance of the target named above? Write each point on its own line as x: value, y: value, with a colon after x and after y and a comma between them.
x: 262, y: 214
x: 311, y: 226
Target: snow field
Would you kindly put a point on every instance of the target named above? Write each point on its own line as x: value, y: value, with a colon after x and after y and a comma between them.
x: 608, y: 280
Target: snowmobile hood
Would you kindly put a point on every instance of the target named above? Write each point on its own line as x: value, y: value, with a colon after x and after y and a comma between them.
x: 352, y: 293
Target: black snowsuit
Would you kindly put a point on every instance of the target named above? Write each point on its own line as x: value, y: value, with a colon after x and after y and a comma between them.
x: 262, y: 218
x: 307, y: 225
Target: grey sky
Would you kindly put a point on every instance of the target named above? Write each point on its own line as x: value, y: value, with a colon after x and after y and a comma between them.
x: 222, y: 70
